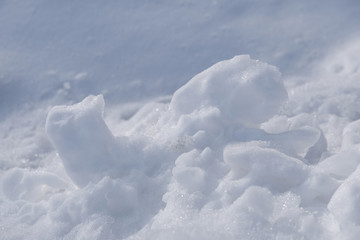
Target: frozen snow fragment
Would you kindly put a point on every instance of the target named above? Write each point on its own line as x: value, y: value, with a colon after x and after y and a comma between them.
x: 345, y: 203
x: 174, y: 129
x: 315, y: 152
x: 208, y: 119
x: 306, y: 142
x: 112, y: 179
x: 276, y: 124
x: 198, y: 171
x: 341, y: 165
x: 85, y: 144
x: 233, y: 86
x: 282, y: 123
x: 264, y: 167
x: 317, y: 189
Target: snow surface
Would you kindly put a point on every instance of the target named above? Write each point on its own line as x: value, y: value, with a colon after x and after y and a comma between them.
x: 240, y: 151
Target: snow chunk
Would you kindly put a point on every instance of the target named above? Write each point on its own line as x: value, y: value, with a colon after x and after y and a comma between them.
x: 264, y: 167
x: 341, y: 165
x: 85, y: 144
x: 345, y: 203
x: 246, y: 91
x: 198, y: 171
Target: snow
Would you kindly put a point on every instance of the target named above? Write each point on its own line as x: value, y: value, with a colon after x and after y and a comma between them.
x: 82, y: 139
x: 110, y: 128
x: 241, y: 82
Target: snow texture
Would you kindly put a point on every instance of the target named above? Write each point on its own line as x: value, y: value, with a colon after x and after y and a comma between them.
x: 240, y: 151
x: 239, y: 82
x: 215, y: 162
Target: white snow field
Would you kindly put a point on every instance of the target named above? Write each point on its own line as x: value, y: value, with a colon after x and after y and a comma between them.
x: 179, y: 119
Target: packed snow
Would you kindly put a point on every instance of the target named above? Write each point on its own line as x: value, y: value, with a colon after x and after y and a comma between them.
x: 101, y: 137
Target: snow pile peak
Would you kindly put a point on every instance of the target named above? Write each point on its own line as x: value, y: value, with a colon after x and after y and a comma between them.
x: 245, y: 91
x: 83, y: 140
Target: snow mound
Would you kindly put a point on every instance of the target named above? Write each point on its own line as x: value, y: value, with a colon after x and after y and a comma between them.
x: 106, y: 168
x: 217, y: 161
x: 232, y: 86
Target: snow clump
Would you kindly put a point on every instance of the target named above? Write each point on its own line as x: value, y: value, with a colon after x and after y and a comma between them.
x: 232, y: 87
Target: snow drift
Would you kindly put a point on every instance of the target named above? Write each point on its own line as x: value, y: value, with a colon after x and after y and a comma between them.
x: 220, y: 160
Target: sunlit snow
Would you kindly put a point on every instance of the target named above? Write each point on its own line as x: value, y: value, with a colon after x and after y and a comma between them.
x: 179, y: 120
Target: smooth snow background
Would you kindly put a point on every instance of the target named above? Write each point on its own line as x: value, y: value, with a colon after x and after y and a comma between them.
x: 131, y: 50
x: 59, y: 52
